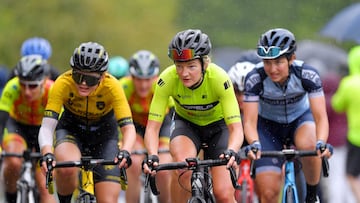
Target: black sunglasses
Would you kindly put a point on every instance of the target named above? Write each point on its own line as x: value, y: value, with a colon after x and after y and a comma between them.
x: 89, y: 79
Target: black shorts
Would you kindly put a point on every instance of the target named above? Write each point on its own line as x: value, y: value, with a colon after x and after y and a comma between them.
x: 353, y: 160
x: 98, y: 141
x: 212, y: 138
x: 28, y: 132
x: 164, y: 130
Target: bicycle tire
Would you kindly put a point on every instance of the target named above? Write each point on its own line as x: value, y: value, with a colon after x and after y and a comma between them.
x: 196, y: 200
x: 289, y: 198
x: 244, y: 192
x: 22, y: 195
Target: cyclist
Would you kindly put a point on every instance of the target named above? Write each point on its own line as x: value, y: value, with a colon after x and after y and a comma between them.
x: 237, y: 74
x: 40, y: 46
x: 94, y: 105
x: 139, y: 90
x: 22, y: 106
x: 118, y: 67
x: 284, y: 101
x: 346, y: 100
x: 206, y: 112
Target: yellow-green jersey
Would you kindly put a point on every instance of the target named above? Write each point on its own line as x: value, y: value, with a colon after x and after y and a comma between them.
x: 212, y: 101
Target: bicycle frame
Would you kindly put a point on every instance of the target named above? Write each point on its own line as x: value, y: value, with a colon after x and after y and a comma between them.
x: 246, y: 194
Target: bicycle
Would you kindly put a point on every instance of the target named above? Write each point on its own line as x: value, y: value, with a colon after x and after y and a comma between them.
x: 146, y: 196
x: 246, y: 194
x: 290, y: 192
x: 86, y: 183
x: 201, y: 181
x: 26, y: 187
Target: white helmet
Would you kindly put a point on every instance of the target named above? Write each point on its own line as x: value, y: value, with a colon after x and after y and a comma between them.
x: 238, y: 72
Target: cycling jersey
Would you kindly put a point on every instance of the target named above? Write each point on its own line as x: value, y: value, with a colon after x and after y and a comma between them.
x: 139, y: 106
x: 283, y: 103
x: 212, y: 101
x: 98, y: 107
x: 21, y: 110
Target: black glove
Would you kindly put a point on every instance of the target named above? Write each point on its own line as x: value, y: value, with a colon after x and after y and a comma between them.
x: 231, y: 153
x: 124, y: 154
x: 150, y: 160
x: 48, y: 158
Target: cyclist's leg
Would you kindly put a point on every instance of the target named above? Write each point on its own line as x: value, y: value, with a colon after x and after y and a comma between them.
x: 66, y: 149
x: 164, y: 177
x: 217, y: 144
x: 353, y: 169
x: 305, y: 139
x: 182, y: 146
x: 269, y: 170
x: 134, y: 173
x: 106, y: 178
x: 45, y: 197
x: 13, y: 143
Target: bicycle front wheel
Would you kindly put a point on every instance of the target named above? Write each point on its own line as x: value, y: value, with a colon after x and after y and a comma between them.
x: 196, y: 200
x: 290, y: 195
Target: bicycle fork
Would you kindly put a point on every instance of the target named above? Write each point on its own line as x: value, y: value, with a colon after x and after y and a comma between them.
x: 289, y: 188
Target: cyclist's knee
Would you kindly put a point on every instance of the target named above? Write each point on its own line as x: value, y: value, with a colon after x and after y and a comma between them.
x: 224, y: 195
x: 66, y: 172
x: 12, y: 164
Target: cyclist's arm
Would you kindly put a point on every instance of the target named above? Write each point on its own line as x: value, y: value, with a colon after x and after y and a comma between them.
x: 46, y: 132
x: 3, y: 118
x: 151, y: 138
x: 318, y: 109
x: 128, y: 132
x: 250, y: 119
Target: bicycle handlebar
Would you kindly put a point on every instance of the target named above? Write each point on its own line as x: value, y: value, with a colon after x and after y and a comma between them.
x: 87, y: 163
x: 189, y: 164
x: 27, y: 155
x: 290, y: 154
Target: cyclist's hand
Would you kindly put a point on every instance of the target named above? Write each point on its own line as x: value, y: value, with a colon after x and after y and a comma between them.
x: 149, y: 163
x: 125, y: 159
x: 47, y: 162
x: 253, y: 150
x: 324, y: 149
x: 232, y: 157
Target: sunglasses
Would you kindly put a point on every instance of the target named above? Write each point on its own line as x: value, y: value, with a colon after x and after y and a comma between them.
x: 270, y: 52
x: 183, y: 55
x: 89, y: 79
x: 30, y: 84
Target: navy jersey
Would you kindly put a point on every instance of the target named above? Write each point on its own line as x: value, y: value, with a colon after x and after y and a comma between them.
x: 283, y: 103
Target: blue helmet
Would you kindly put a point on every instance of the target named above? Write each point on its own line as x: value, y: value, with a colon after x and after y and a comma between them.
x: 36, y: 45
x: 118, y: 67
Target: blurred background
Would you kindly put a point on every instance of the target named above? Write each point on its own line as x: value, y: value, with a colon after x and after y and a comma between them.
x: 123, y: 27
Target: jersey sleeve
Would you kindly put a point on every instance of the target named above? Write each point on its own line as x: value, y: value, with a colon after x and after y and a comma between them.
x: 120, y: 104
x: 56, y: 98
x: 311, y: 81
x: 9, y: 94
x: 225, y: 91
x: 253, y: 86
x: 161, y: 96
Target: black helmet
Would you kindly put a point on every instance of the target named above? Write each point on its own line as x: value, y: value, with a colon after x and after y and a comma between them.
x: 188, y: 45
x: 32, y: 68
x: 90, y: 57
x: 144, y: 64
x: 275, y: 43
